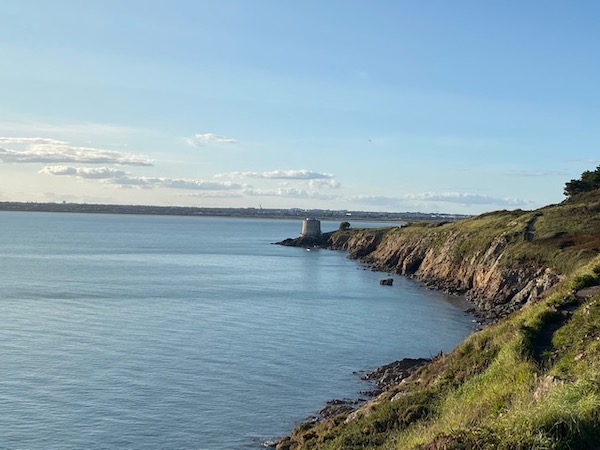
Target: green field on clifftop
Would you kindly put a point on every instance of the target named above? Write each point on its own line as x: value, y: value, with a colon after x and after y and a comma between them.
x: 529, y: 381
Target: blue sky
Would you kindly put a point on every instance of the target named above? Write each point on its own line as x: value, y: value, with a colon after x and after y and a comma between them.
x: 432, y: 106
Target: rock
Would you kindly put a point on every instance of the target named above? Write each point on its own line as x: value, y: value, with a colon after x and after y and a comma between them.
x: 271, y: 443
x: 393, y: 373
x: 371, y: 393
x: 386, y: 282
x: 333, y: 409
x: 587, y: 292
x: 306, y: 241
x: 493, y: 285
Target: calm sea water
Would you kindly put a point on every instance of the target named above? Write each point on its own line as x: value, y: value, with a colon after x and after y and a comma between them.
x: 149, y: 332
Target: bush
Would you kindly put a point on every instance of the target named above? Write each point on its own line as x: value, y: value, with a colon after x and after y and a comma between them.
x: 589, y: 181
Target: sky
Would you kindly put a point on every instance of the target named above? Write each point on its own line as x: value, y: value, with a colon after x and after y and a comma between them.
x: 429, y: 106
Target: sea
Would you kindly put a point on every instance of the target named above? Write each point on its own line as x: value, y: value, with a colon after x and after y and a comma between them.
x: 166, y: 332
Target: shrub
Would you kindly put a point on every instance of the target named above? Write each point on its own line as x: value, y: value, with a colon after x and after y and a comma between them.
x: 589, y: 181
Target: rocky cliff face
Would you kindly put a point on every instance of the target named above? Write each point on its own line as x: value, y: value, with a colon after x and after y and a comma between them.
x: 445, y: 260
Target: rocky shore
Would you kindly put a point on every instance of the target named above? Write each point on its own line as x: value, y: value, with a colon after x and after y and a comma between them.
x: 512, y: 384
x: 436, y: 257
x: 322, y: 241
x: 393, y: 373
x: 383, y: 378
x: 438, y: 260
x: 331, y: 242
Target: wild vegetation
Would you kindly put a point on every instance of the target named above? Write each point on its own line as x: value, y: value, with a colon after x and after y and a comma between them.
x: 589, y: 181
x: 529, y: 381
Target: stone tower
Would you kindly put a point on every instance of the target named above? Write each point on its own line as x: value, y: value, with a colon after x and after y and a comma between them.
x: 311, y: 227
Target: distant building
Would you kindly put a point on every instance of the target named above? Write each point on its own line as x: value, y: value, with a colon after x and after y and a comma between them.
x: 311, y: 227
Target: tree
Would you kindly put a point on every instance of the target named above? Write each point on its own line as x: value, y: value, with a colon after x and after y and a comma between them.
x: 589, y: 181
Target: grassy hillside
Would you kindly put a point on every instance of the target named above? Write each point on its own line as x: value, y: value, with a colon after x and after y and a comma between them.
x: 560, y: 236
x: 531, y: 380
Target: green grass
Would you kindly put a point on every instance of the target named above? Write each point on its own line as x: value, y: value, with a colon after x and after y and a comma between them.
x: 491, y: 393
x: 531, y: 381
x: 561, y: 236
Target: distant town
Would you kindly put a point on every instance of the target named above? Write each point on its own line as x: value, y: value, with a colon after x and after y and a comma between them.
x: 267, y: 213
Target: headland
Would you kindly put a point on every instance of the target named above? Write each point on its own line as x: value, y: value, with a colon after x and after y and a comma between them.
x: 529, y: 379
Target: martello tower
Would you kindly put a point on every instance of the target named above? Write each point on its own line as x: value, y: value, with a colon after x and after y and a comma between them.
x: 311, y: 227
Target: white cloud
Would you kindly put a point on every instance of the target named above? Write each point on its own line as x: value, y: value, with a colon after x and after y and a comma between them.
x: 317, y: 184
x: 208, y: 138
x: 292, y: 174
x: 126, y: 179
x: 53, y: 151
x: 30, y: 141
x: 198, y: 184
x: 216, y: 194
x: 288, y: 192
x: 444, y: 197
x: 85, y: 172
x: 379, y: 200
x: 466, y: 199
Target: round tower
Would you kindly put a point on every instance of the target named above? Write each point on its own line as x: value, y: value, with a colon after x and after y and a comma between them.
x: 311, y: 227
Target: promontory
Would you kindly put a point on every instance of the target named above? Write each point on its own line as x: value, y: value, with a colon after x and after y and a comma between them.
x: 530, y: 379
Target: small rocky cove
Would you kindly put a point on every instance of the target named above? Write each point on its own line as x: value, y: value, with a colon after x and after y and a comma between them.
x: 383, y: 379
x: 436, y: 258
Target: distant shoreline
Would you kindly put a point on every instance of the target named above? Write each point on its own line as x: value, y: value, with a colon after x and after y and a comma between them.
x: 265, y: 213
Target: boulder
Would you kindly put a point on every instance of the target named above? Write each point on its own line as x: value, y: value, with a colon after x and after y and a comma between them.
x: 393, y: 373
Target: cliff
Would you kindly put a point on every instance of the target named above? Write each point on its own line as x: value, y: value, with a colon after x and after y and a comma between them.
x: 530, y: 380
x: 457, y: 258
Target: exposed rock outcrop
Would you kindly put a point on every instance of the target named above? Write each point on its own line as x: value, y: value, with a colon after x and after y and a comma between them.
x: 443, y: 259
x: 307, y: 241
x: 393, y: 373
x: 500, y: 261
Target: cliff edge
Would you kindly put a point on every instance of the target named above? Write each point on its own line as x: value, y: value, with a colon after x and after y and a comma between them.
x: 483, y: 258
x: 530, y: 379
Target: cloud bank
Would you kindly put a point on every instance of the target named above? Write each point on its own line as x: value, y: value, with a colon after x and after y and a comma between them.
x: 97, y: 173
x: 201, y: 139
x: 125, y: 179
x: 35, y: 140
x: 301, y: 174
x: 318, y: 184
x: 288, y: 192
x: 53, y: 151
x: 311, y: 180
x: 60, y: 158
x: 465, y: 199
x: 217, y: 189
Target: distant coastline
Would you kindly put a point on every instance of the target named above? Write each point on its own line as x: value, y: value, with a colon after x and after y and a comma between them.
x: 266, y: 213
